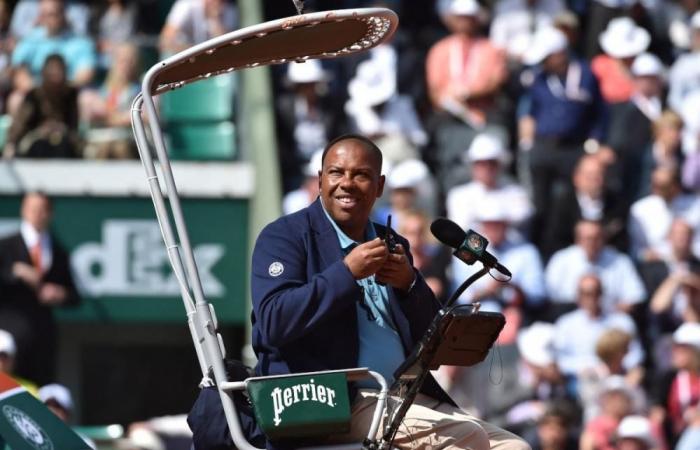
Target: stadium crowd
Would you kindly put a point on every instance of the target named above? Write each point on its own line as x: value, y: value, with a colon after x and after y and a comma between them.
x: 565, y: 131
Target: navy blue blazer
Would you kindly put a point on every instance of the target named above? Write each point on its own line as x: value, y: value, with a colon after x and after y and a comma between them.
x: 304, y: 315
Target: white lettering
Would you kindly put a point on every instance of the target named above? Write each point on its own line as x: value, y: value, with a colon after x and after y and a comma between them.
x: 321, y: 394
x: 296, y: 388
x: 277, y: 404
x: 287, y: 395
x: 331, y: 396
x: 284, y: 398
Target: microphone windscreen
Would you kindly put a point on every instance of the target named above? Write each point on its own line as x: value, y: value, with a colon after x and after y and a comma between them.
x: 448, y: 232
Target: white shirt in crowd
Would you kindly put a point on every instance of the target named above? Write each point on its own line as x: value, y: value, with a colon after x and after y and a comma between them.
x: 398, y: 117
x: 621, y: 283
x: 683, y: 78
x: 651, y: 218
x: 514, y: 23
x: 465, y: 201
x: 576, y: 334
x: 188, y: 16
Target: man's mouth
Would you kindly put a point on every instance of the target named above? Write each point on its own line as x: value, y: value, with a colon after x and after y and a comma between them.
x: 346, y: 200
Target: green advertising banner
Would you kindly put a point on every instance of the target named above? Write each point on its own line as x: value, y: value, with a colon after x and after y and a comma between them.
x: 120, y: 264
x: 26, y: 424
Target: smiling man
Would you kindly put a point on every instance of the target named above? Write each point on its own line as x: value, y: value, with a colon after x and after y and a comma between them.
x: 328, y: 294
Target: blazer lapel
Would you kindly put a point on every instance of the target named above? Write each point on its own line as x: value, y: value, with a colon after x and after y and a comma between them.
x: 326, y: 238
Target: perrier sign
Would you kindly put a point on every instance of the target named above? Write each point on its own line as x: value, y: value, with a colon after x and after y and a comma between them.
x: 304, y: 405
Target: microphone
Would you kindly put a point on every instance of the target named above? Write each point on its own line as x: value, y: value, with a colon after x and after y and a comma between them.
x: 469, y: 247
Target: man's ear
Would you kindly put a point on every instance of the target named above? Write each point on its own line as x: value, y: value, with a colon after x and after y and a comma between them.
x: 319, y: 181
x: 380, y: 188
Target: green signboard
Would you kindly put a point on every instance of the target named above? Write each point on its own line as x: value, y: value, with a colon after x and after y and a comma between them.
x: 120, y: 264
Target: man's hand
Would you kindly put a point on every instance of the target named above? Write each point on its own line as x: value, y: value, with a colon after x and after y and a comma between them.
x: 366, y: 259
x: 27, y: 273
x: 396, y: 271
x: 52, y: 294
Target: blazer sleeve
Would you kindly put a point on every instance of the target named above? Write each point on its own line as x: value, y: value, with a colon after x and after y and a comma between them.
x: 64, y: 277
x: 287, y: 304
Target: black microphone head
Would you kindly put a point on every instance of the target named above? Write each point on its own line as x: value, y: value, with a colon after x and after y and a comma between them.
x: 448, y: 232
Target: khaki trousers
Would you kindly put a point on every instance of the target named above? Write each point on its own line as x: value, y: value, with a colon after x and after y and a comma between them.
x: 432, y: 425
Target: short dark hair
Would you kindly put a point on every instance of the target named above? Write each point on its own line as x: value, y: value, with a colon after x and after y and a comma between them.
x: 369, y: 145
x: 42, y: 194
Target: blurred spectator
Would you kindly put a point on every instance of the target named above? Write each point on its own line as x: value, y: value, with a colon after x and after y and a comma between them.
x: 117, y: 26
x: 21, y: 82
x: 677, y: 395
x: 617, y: 400
x: 684, y: 76
x: 54, y: 37
x: 678, y: 21
x: 577, y: 332
x: 589, y: 199
x: 622, y: 287
x: 190, y: 22
x: 554, y: 431
x: 524, y: 293
x: 27, y: 15
x: 488, y: 159
x: 429, y: 257
x: 621, y: 41
x: 639, y: 113
x: 7, y: 43
x: 651, y: 216
x: 691, y: 436
x: 107, y: 110
x: 409, y: 189
x: 308, y: 191
x: 464, y: 71
x: 599, y: 14
x: 306, y: 118
x: 46, y: 123
x: 564, y: 114
x: 8, y: 353
x: 59, y: 400
x: 515, y: 22
x: 376, y: 110
x: 635, y: 433
x: 36, y: 278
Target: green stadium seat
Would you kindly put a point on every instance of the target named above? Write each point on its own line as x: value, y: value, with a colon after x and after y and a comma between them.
x: 205, y: 141
x: 203, y: 101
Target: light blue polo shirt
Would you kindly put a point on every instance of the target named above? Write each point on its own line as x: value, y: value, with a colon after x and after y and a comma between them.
x: 380, y: 345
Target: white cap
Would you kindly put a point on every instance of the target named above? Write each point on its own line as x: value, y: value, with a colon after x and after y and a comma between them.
x: 310, y: 71
x: 536, y: 343
x: 695, y: 21
x: 315, y: 164
x: 7, y: 343
x: 647, y: 65
x: 616, y: 383
x: 463, y: 8
x: 58, y: 393
x: 688, y: 334
x: 486, y: 146
x: 372, y: 84
x: 623, y: 38
x: 407, y: 174
x: 636, y: 427
x: 547, y: 41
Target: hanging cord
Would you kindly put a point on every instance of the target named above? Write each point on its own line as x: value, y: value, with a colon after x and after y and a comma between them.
x: 299, y: 5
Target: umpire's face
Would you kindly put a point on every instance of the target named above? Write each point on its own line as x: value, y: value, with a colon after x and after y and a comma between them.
x: 350, y: 182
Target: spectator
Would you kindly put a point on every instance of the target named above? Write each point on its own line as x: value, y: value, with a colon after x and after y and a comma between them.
x: 617, y: 401
x: 36, y: 278
x: 578, y: 331
x: 464, y: 71
x: 409, y: 188
x: 190, y: 22
x: 678, y: 390
x: 564, y: 114
x: 376, y: 110
x: 489, y: 185
x: 599, y: 13
x: 306, y: 116
x: 524, y: 294
x: 684, y: 76
x: 107, y: 110
x: 117, y: 26
x: 54, y: 37
x: 635, y: 433
x: 59, y: 400
x: 46, y: 123
x: 554, y: 431
x: 515, y: 21
x: 622, y: 287
x: 690, y: 113
x: 431, y: 259
x: 7, y: 44
x: 589, y: 199
x: 26, y: 16
x: 651, y: 216
x: 621, y: 41
x: 639, y: 113
x: 308, y: 191
x: 8, y: 352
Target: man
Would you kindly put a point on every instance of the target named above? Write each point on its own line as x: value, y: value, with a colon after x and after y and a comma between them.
x: 54, y: 37
x: 684, y: 77
x: 589, y: 254
x: 35, y: 272
x: 326, y: 292
x: 191, y: 22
